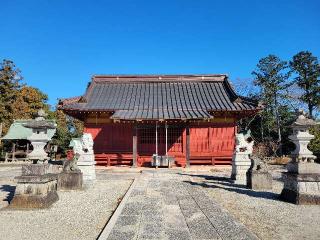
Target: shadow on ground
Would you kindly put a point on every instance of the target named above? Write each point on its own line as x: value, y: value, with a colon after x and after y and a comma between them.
x: 10, y: 190
x: 227, y: 184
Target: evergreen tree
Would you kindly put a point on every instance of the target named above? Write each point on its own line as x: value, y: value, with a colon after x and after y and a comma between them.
x: 19, y: 101
x: 271, y: 75
x: 307, y: 68
x: 67, y: 128
x: 10, y: 78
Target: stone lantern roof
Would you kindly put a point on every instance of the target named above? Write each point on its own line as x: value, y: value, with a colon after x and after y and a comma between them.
x: 303, y: 121
x: 40, y: 122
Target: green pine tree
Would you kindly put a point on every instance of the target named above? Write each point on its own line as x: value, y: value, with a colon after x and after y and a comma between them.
x: 307, y: 68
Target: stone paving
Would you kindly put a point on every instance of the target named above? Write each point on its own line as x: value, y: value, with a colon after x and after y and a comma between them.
x: 167, y: 205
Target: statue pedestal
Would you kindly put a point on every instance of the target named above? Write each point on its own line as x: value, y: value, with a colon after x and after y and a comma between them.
x: 259, y: 180
x: 36, y: 188
x: 70, y: 181
x: 303, y: 168
x: 302, y: 183
x: 86, y: 164
x: 240, y: 165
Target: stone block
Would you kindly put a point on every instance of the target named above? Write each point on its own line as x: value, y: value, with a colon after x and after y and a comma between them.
x: 258, y: 180
x: 39, y: 169
x: 36, y: 178
x: 301, y: 189
x: 88, y: 171
x: 70, y: 181
x: 25, y: 201
x: 86, y: 164
x: 240, y: 165
x: 37, y: 187
x: 299, y: 198
x: 178, y: 234
x: 303, y: 168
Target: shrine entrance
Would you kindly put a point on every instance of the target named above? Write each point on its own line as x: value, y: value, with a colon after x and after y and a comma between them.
x: 161, y: 139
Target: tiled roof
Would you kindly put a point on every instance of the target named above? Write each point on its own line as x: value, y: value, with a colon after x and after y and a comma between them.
x: 18, y: 130
x: 160, y: 97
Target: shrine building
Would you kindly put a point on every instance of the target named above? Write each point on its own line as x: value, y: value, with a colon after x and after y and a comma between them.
x: 191, y: 118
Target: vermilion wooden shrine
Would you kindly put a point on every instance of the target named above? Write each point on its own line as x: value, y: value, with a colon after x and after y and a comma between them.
x: 189, y: 117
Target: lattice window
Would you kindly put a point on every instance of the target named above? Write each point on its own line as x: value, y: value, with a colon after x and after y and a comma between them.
x: 147, y: 136
x: 175, y: 135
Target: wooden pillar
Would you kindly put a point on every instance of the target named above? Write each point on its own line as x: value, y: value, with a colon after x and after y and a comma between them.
x: 187, y: 146
x: 27, y: 152
x: 134, y: 146
x: 13, y: 151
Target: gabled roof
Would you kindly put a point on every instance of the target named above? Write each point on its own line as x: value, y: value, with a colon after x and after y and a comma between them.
x: 133, y: 97
x: 18, y: 131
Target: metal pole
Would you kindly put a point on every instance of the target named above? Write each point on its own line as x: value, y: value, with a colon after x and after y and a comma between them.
x: 166, y: 126
x: 187, y: 146
x: 157, y: 138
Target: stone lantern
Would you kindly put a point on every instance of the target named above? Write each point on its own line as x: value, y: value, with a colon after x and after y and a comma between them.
x: 302, y: 181
x: 37, y: 186
x: 39, y: 137
x: 301, y: 138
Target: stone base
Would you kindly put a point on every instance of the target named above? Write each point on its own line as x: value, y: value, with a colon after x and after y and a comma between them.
x: 303, y: 167
x: 301, y: 188
x: 70, y: 181
x: 86, y: 164
x: 298, y: 198
x: 257, y: 180
x: 36, y: 188
x: 240, y: 165
x: 33, y: 201
x: 35, y: 192
x: 39, y: 169
x: 240, y: 180
x: 240, y: 177
x: 89, y: 172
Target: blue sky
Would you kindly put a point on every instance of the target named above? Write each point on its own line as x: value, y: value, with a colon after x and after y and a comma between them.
x: 60, y: 44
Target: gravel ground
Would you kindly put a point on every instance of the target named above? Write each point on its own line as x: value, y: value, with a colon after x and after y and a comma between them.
x: 262, y: 212
x: 77, y: 214
x: 82, y: 215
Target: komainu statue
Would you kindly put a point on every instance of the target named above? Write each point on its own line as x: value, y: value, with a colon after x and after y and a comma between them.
x: 84, y: 148
x: 72, y: 165
x: 82, y: 145
x: 241, y: 157
x: 244, y: 142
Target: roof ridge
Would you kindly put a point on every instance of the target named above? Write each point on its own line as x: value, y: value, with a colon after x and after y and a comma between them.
x: 159, y: 78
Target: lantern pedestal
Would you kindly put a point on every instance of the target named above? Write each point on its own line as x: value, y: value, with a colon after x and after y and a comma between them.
x: 36, y: 188
x: 302, y: 181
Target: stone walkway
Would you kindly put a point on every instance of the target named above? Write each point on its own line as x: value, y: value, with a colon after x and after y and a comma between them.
x: 167, y: 205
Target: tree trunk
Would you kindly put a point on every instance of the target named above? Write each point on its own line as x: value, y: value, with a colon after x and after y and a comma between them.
x: 262, y: 133
x: 278, y: 124
x: 0, y: 131
x: 310, y: 107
